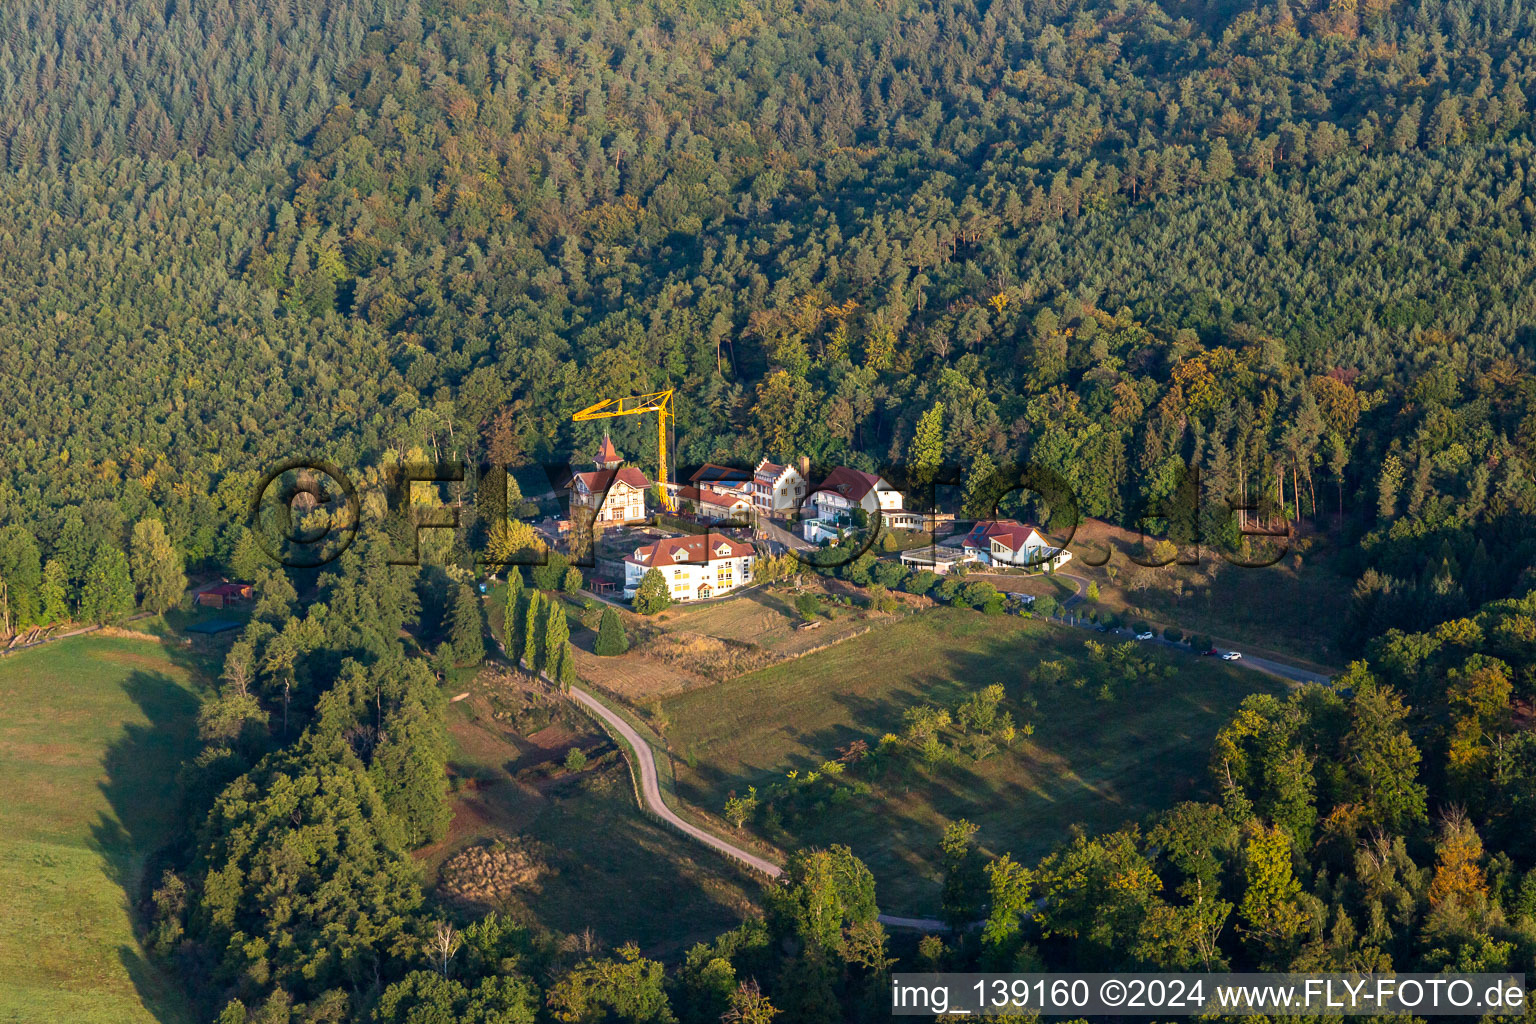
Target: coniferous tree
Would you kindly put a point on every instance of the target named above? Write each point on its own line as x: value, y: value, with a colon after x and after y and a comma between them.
x: 512, y: 612
x: 467, y: 635
x: 611, y: 637
x: 556, y: 641
x: 533, y: 630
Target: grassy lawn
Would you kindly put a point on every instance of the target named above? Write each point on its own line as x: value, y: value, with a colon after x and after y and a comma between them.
x: 92, y: 731
x: 1090, y: 761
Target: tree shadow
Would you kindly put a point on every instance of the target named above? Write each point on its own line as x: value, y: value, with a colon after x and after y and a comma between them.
x: 147, y: 829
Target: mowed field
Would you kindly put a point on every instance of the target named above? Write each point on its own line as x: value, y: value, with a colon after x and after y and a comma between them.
x: 92, y: 732
x: 1091, y: 762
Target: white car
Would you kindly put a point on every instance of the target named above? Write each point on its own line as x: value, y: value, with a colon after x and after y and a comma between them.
x: 1232, y: 656
x: 1145, y: 635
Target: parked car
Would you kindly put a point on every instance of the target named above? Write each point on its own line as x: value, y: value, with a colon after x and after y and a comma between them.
x: 1103, y: 629
x: 1232, y: 656
x: 1211, y: 653
x: 1145, y: 635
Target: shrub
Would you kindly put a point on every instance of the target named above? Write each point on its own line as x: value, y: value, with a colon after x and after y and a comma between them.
x: 858, y: 571
x: 921, y: 582
x: 575, y: 760
x: 551, y: 575
x: 1173, y: 634
x: 978, y: 594
x: 809, y: 606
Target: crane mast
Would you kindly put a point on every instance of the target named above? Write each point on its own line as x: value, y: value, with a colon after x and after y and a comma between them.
x: 659, y: 402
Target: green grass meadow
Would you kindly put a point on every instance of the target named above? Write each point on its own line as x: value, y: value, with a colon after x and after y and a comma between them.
x: 1091, y: 762
x: 92, y: 732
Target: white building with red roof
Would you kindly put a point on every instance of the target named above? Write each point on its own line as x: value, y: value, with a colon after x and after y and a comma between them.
x: 1011, y: 543
x: 777, y: 488
x: 831, y: 505
x: 694, y: 567
x: 731, y: 504
x: 614, y: 492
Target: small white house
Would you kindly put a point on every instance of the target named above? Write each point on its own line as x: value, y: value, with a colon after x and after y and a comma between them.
x: 694, y: 567
x: 939, y: 558
x: 731, y: 504
x: 1006, y: 542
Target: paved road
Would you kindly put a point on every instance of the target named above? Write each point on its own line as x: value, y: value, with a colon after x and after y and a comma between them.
x: 1273, y: 666
x: 1284, y: 670
x: 650, y: 788
x: 776, y: 534
x: 1281, y: 669
x: 650, y: 784
x: 650, y: 793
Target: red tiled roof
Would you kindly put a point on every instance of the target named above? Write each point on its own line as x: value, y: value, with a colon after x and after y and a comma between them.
x: 709, y: 495
x: 688, y: 551
x: 1009, y: 531
x: 850, y: 483
x: 599, y: 480
x: 767, y: 471
x: 606, y: 452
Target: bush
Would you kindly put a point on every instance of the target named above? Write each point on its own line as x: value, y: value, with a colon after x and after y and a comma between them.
x: 978, y: 594
x: 1141, y: 626
x: 809, y: 606
x: 1173, y: 634
x: 858, y: 571
x: 551, y: 575
x: 921, y: 582
x: 575, y: 760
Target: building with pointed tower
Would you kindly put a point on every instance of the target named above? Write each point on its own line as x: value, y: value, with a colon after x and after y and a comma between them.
x: 613, y: 492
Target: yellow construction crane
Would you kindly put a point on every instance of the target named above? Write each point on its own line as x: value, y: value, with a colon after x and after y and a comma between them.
x: 660, y: 403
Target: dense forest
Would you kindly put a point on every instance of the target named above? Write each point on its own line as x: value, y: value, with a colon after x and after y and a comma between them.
x: 1287, y: 242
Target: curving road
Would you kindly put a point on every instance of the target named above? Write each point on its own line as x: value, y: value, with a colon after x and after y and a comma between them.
x: 650, y: 783
x: 650, y: 788
x: 650, y: 794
